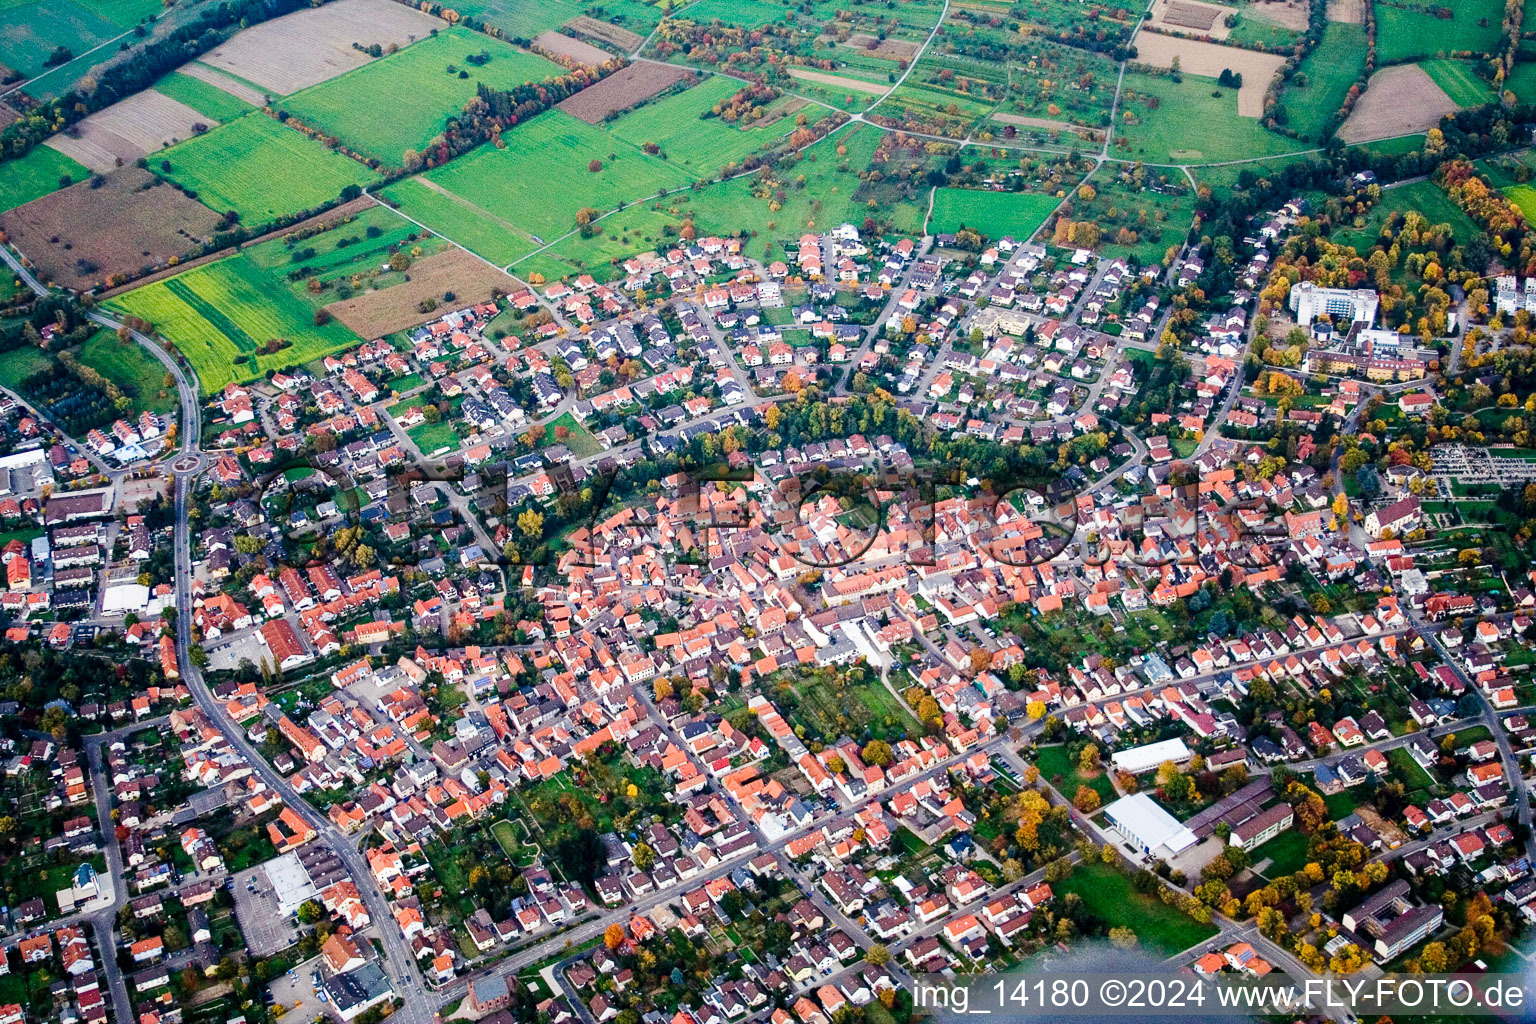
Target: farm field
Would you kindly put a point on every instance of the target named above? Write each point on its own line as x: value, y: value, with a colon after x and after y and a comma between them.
x: 202, y: 96
x: 458, y: 219
x: 400, y: 102
x: 422, y: 294
x: 831, y: 181
x: 224, y: 81
x: 636, y: 229
x: 143, y: 123
x: 1423, y: 196
x: 748, y: 14
x: 994, y: 214
x: 1256, y: 28
x: 1406, y: 30
x: 1398, y: 100
x: 218, y: 315
x: 309, y: 46
x: 703, y: 145
x: 1191, y: 113
x: 1209, y: 60
x: 620, y: 91
x: 1331, y: 68
x: 80, y: 236
x: 1108, y: 896
x: 37, y: 174
x: 514, y: 184
x: 1458, y: 80
x: 140, y: 375
x: 260, y: 169
x: 30, y: 33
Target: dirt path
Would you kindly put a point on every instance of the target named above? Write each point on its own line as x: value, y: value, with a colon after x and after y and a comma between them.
x: 838, y: 82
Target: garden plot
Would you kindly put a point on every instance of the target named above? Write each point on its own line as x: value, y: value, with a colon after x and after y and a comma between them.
x: 1210, y: 60
x: 120, y: 134
x: 308, y: 47
x: 1190, y: 16
x: 613, y: 35
x: 621, y: 90
x: 131, y: 221
x: 1397, y: 101
x: 564, y: 46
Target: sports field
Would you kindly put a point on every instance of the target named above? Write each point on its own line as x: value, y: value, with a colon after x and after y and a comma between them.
x: 1403, y: 34
x: 400, y: 102
x: 218, y: 315
x: 1330, y: 69
x: 202, y: 97
x: 1194, y: 122
x: 36, y: 175
x: 544, y: 176
x: 703, y: 145
x: 1460, y: 82
x: 994, y: 214
x: 260, y: 169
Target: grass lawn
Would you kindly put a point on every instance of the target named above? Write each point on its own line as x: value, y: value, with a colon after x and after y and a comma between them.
x: 577, y: 438
x: 701, y: 144
x: 1523, y: 196
x: 260, y: 169
x: 1413, y: 776
x: 140, y: 375
x: 994, y: 214
x: 1522, y: 82
x: 1108, y: 895
x: 1459, y: 81
x: 220, y: 313
x: 434, y: 437
x: 1053, y: 762
x: 1196, y: 122
x: 1287, y: 853
x: 1341, y: 804
x: 20, y: 363
x: 203, y: 97
x: 513, y: 185
x: 1422, y: 196
x: 1331, y: 68
x: 35, y: 175
x: 1403, y: 34
x: 399, y: 102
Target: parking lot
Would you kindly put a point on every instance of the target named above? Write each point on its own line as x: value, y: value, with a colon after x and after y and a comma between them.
x: 226, y: 654
x: 295, y: 996
x: 266, y: 930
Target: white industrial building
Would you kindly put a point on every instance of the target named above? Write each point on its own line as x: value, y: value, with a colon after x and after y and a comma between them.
x: 1343, y: 306
x: 1150, y: 755
x: 1148, y: 828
